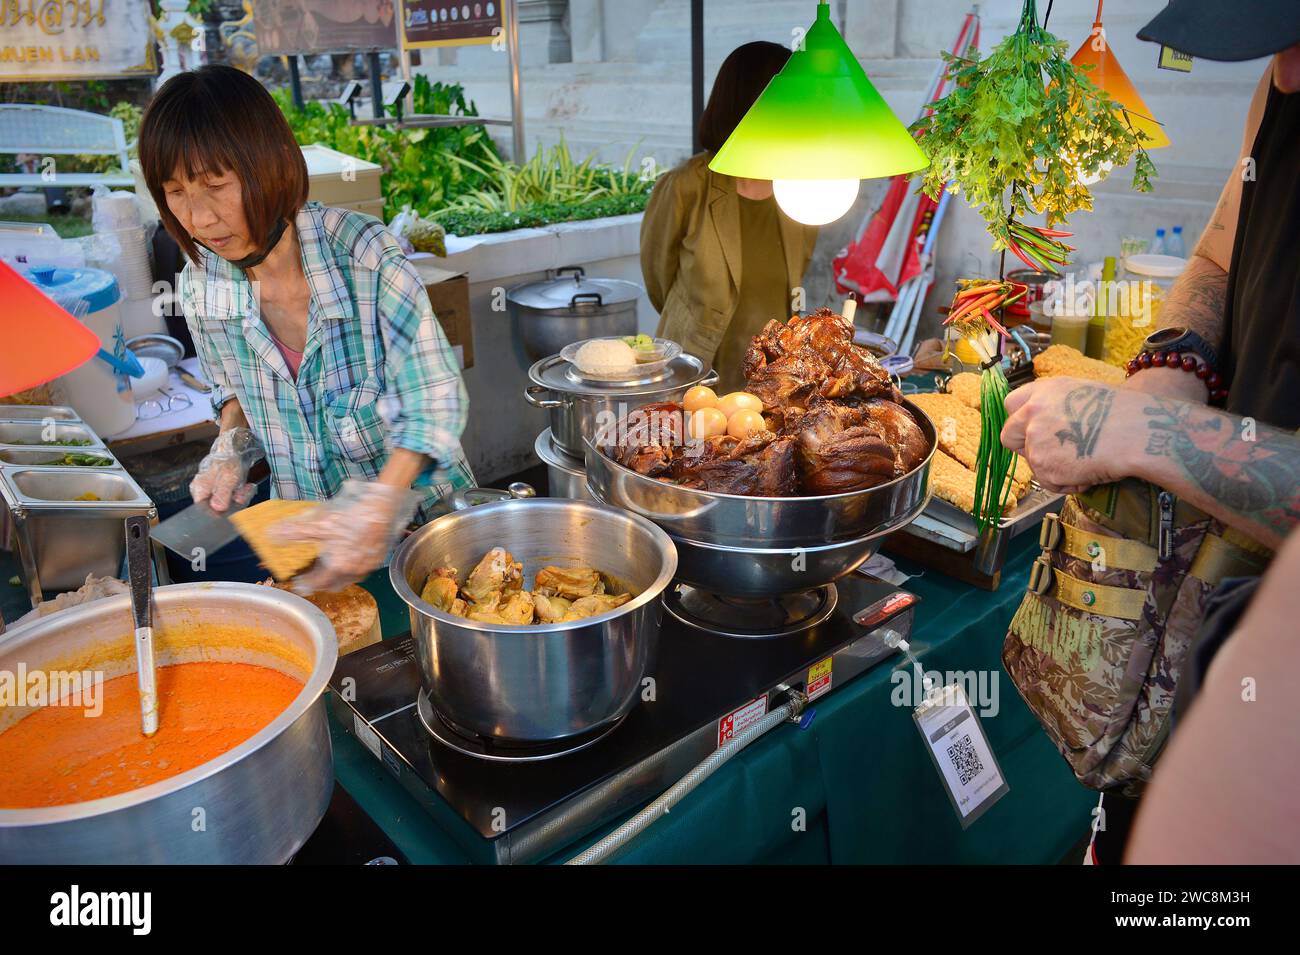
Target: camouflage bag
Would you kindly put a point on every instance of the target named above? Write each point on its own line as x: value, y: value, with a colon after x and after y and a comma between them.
x: 1113, y: 604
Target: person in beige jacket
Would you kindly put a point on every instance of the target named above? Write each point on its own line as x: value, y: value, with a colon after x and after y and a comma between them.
x: 719, y: 258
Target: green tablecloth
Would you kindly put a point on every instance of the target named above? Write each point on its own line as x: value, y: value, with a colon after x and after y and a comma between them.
x: 860, y: 774
x: 866, y: 787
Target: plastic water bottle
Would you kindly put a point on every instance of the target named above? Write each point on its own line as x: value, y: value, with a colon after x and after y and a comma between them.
x: 1158, y: 246
x: 1175, y: 244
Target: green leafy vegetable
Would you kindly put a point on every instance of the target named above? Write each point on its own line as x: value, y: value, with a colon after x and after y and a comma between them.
x: 1021, y: 127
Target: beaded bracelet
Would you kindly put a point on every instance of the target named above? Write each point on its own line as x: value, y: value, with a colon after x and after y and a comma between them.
x: 1187, y: 361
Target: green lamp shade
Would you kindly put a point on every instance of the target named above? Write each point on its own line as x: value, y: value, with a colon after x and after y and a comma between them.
x: 820, y: 118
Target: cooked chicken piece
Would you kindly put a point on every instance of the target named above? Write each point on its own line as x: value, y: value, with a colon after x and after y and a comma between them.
x: 550, y: 609
x: 440, y: 591
x: 496, y: 572
x: 571, y: 582
x: 516, y: 611
x: 595, y: 604
x: 458, y: 608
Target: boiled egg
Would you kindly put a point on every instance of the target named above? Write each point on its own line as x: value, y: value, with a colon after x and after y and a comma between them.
x: 699, y: 397
x: 744, y: 423
x: 707, y: 423
x: 739, y: 401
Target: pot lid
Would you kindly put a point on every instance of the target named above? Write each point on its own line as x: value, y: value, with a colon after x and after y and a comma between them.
x: 556, y: 373
x: 570, y: 290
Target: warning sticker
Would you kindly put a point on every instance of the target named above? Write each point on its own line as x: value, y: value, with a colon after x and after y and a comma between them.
x: 819, y: 679
x: 739, y: 719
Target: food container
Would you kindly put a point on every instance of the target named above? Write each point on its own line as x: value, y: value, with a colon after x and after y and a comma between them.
x: 261, y: 800
x: 566, y: 476
x: 761, y: 546
x: 648, y: 363
x: 100, y: 393
x: 578, y: 406
x: 1133, y: 312
x: 565, y: 309
x: 59, y: 538
x: 547, y: 681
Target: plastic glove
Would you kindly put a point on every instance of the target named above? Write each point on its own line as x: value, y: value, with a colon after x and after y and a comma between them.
x: 355, y: 531
x: 223, y: 474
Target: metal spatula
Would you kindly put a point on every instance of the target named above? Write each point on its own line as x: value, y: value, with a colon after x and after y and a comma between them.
x: 140, y: 571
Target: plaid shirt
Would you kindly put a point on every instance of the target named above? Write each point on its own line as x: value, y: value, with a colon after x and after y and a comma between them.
x: 377, y: 372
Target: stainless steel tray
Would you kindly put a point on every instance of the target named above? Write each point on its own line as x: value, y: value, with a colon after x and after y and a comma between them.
x: 31, y: 434
x: 37, y: 413
x: 59, y: 538
x: 60, y: 489
x: 1026, y: 514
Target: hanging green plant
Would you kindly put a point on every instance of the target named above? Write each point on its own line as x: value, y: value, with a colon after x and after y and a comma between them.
x: 1021, y: 127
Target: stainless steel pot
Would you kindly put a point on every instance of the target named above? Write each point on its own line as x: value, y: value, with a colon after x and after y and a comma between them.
x: 565, y: 475
x: 578, y: 407
x: 563, y: 310
x: 766, y: 571
x: 260, y: 801
x: 550, y: 681
x: 753, y: 546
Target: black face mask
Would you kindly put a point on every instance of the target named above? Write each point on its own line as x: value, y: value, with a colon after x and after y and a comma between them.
x: 257, y: 258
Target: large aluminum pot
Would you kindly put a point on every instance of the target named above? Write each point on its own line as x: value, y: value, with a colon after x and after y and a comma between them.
x: 565, y: 476
x: 754, y: 546
x: 563, y: 310
x: 549, y: 681
x: 578, y: 407
x: 260, y: 800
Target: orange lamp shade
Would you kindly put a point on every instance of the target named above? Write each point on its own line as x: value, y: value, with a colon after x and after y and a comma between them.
x: 1110, y: 76
x: 39, y: 339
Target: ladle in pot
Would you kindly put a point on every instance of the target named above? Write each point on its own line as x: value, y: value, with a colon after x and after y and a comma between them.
x: 140, y: 571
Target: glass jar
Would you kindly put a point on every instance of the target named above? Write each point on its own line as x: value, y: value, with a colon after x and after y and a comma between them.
x: 1133, y: 303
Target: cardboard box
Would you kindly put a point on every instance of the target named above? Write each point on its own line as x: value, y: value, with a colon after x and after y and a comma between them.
x: 449, y: 295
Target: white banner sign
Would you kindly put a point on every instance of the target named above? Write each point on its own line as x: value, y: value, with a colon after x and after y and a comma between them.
x: 75, y: 40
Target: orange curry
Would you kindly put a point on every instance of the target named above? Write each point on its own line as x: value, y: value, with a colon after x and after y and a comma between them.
x: 58, y: 755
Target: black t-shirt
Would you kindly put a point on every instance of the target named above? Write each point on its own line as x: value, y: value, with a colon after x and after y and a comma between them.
x: 1261, y: 344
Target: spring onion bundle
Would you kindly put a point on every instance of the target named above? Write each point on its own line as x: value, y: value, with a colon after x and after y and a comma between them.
x: 972, y: 317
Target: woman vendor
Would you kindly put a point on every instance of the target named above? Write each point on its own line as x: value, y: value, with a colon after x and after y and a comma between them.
x: 719, y: 259
x: 315, y: 331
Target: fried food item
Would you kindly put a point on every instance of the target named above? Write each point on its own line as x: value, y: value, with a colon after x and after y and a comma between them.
x: 283, y: 560
x: 497, y: 572
x: 550, y: 609
x: 569, y: 582
x: 1057, y: 361
x: 958, y: 429
x: 952, y: 481
x: 352, y: 610
x: 965, y: 387
x: 595, y: 604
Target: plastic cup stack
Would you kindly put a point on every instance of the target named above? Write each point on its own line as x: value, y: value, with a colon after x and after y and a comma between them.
x: 117, y: 220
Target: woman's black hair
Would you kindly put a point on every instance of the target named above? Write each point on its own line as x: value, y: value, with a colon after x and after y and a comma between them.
x: 744, y: 74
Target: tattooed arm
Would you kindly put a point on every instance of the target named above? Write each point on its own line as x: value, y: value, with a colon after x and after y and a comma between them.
x: 1199, y: 297
x: 1244, y: 473
x: 1076, y: 434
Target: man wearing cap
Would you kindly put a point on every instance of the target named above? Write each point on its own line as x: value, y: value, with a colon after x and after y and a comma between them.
x: 1233, y: 322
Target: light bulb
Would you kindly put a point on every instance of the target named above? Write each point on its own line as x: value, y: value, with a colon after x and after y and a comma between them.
x: 815, y: 201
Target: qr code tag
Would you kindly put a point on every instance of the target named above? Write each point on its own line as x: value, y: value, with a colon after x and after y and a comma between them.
x: 961, y: 752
